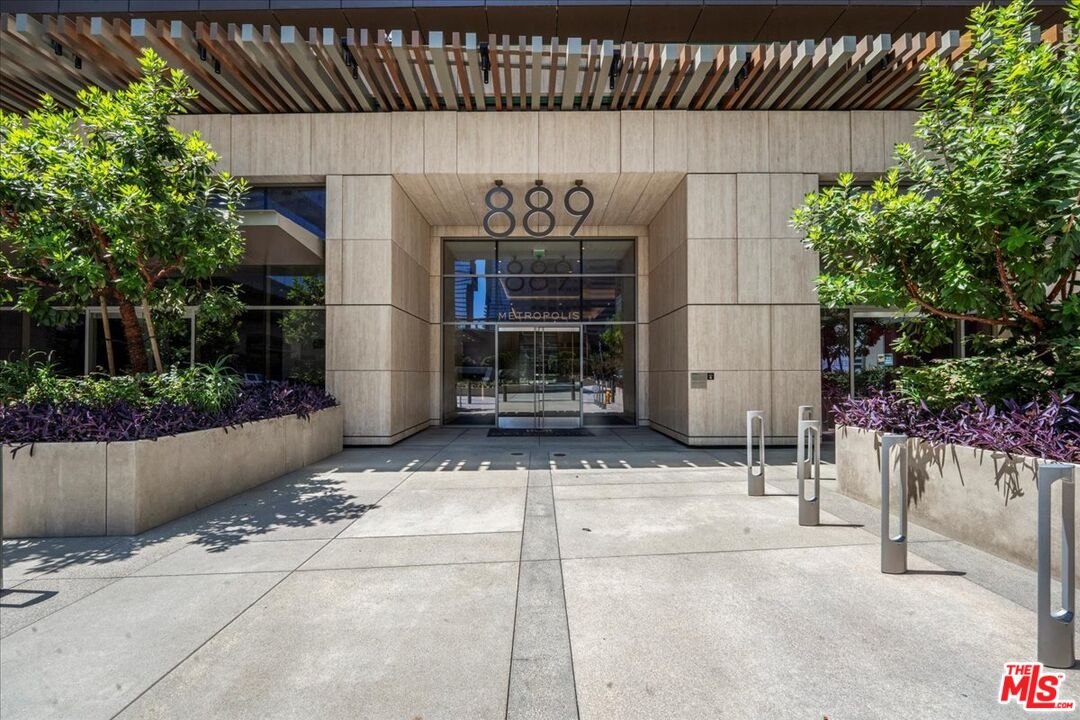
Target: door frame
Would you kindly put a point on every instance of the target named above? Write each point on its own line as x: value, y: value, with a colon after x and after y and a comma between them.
x: 538, y: 416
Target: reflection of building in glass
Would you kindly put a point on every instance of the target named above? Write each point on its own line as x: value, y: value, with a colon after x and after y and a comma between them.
x: 497, y: 303
x: 463, y: 291
x: 506, y: 358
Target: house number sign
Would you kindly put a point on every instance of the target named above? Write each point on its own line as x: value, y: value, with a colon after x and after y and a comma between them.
x: 538, y: 220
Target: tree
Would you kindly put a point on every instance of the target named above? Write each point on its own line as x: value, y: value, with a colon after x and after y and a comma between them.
x: 108, y: 203
x: 981, y: 223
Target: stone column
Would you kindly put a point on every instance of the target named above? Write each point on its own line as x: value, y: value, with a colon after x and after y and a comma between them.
x: 377, y: 334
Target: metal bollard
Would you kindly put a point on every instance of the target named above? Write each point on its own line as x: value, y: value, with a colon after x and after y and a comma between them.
x: 1056, y: 628
x: 893, y: 547
x: 755, y: 482
x: 806, y: 412
x: 807, y: 454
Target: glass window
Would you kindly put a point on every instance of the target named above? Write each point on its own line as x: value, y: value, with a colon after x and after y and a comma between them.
x: 835, y: 364
x: 281, y: 345
x: 472, y: 298
x: 539, y: 257
x: 469, y: 374
x: 611, y: 299
x: 609, y: 383
x: 20, y: 334
x: 607, y: 257
x: 512, y: 299
x: 468, y: 257
x: 11, y: 334
x: 875, y: 362
x: 252, y: 282
x: 295, y: 285
x: 302, y: 357
x: 306, y: 206
x: 64, y: 342
x: 254, y: 346
x: 534, y: 298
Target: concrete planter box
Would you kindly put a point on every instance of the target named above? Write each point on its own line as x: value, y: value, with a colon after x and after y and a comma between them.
x: 124, y: 488
x: 984, y: 498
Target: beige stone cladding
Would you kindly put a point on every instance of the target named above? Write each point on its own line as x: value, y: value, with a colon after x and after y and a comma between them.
x: 725, y: 285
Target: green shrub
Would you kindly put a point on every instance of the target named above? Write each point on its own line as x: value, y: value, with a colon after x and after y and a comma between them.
x: 17, y: 377
x: 93, y: 390
x: 33, y: 379
x: 878, y: 378
x: 1018, y: 373
x: 206, y: 387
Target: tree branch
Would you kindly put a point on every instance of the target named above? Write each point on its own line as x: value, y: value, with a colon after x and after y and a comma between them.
x: 9, y: 216
x: 1006, y: 285
x: 916, y: 295
x: 31, y: 280
x: 1062, y: 285
x: 163, y: 272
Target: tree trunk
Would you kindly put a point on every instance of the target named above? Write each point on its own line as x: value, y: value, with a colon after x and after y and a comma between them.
x: 133, y: 336
x: 108, y: 334
x: 153, y: 336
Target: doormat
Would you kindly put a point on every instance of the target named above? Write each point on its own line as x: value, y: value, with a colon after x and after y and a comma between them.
x: 530, y: 432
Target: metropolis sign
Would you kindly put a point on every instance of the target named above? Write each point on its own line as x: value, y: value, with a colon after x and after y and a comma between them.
x: 538, y: 220
x: 542, y: 316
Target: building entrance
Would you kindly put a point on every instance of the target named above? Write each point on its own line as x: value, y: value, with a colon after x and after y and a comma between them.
x: 539, y: 333
x: 539, y: 376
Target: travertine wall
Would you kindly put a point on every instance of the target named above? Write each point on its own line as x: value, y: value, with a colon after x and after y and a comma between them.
x: 378, y: 308
x: 724, y: 284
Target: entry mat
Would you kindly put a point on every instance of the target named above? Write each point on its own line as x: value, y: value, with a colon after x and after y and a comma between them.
x: 533, y: 432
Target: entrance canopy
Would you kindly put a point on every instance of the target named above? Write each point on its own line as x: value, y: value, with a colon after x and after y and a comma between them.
x: 248, y: 68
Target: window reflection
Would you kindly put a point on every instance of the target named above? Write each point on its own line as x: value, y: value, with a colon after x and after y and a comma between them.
x: 539, y: 257
x: 875, y: 362
x: 469, y: 374
x: 280, y: 345
x: 489, y: 285
x: 608, y: 257
x: 539, y: 281
x: 20, y: 333
x: 858, y: 357
x: 306, y: 206
x: 609, y: 382
x: 469, y: 257
x: 610, y: 299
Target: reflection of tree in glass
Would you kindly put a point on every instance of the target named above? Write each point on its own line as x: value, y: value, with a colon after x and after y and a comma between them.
x: 566, y: 364
x: 217, y: 332
x: 834, y: 339
x: 217, y: 327
x: 301, y: 327
x: 606, y: 363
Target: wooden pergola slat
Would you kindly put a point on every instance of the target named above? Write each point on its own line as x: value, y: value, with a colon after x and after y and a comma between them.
x: 244, y: 68
x: 441, y: 61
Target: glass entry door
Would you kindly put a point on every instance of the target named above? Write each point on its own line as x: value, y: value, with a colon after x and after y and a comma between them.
x: 539, y: 377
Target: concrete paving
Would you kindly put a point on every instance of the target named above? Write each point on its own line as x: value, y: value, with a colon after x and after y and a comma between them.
x: 460, y: 576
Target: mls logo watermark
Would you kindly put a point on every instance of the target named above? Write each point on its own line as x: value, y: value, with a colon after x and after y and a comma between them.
x: 1032, y: 689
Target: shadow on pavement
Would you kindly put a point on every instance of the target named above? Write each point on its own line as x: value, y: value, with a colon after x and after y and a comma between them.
x: 301, y: 499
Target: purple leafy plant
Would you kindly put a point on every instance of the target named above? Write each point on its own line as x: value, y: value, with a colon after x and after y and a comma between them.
x: 1048, y: 429
x: 25, y: 423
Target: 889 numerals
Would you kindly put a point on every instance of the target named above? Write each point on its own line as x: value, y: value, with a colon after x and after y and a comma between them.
x: 538, y: 220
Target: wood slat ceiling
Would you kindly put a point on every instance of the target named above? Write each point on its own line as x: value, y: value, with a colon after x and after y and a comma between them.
x: 242, y: 68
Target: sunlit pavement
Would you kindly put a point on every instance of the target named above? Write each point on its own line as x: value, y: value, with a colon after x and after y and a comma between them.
x: 460, y: 576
